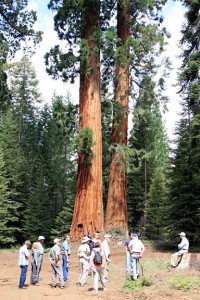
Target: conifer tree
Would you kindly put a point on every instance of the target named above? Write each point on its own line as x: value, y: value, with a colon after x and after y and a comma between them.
x: 78, y: 22
x: 185, y: 204
x: 9, y: 214
x: 14, y: 167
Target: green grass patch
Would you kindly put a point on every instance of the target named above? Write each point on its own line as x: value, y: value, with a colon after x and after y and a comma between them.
x: 137, y: 285
x: 155, y: 264
x: 183, y: 283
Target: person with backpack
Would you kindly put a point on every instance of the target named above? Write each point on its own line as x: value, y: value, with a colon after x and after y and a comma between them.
x: 84, y: 256
x: 98, y: 265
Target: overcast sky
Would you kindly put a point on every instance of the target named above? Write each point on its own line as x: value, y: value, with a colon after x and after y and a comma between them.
x: 173, y: 19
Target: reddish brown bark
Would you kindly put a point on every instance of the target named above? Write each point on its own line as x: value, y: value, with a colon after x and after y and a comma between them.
x: 88, y: 210
x: 116, y: 212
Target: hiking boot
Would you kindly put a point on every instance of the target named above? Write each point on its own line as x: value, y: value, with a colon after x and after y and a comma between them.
x: 63, y: 287
x: 53, y: 286
x: 94, y: 292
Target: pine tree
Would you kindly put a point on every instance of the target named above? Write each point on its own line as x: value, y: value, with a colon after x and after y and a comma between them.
x: 25, y: 96
x: 9, y: 214
x: 185, y: 203
x: 14, y: 168
x: 38, y: 213
x: 149, y: 163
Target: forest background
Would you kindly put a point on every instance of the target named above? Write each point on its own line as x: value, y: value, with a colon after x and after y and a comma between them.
x: 42, y: 149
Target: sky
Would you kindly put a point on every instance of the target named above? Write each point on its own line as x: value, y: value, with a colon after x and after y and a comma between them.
x: 173, y: 20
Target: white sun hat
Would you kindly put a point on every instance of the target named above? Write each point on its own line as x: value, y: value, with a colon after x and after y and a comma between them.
x: 41, y: 237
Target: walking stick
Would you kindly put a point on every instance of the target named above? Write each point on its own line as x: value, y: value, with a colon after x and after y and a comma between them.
x: 141, y: 267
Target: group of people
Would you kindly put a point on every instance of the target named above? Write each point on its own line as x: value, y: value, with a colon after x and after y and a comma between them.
x: 36, y: 262
x: 94, y: 259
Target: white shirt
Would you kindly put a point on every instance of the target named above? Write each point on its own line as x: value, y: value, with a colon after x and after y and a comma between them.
x: 136, y: 246
x: 23, y: 256
x: 84, y: 251
x: 105, y: 248
x: 40, y: 248
x: 184, y: 245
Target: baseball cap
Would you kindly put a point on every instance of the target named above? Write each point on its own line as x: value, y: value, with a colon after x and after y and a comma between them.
x: 182, y: 234
x: 85, y: 239
x: 134, y: 234
x: 56, y: 240
x: 41, y: 237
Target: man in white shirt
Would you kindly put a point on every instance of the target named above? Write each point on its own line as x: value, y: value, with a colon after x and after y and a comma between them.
x: 41, y: 239
x: 136, y: 249
x: 105, y: 247
x: 183, y: 247
x: 23, y: 263
x: 54, y: 257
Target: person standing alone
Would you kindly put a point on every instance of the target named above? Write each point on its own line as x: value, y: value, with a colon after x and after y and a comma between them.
x: 41, y: 253
x: 66, y: 250
x: 136, y: 249
x: 23, y: 263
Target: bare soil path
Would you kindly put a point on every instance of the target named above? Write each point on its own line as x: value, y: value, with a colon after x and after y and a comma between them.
x: 154, y: 268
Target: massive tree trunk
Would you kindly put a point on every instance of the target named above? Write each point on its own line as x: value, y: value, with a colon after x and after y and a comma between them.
x: 88, y: 210
x: 116, y: 212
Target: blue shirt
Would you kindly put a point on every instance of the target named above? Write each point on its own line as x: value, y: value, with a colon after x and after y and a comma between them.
x: 66, y: 247
x: 23, y: 256
x: 184, y: 245
x: 127, y: 243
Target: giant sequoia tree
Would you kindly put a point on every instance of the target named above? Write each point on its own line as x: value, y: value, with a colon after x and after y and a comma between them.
x: 79, y: 22
x: 116, y: 212
x: 129, y: 51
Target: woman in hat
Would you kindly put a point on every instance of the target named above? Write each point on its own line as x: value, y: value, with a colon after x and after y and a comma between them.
x: 84, y: 256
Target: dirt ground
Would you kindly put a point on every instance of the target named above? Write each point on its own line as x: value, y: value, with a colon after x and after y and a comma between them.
x: 159, y: 290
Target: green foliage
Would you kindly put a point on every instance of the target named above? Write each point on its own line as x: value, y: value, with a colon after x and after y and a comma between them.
x: 16, y: 24
x: 8, y: 208
x: 137, y: 285
x: 85, y: 144
x: 117, y: 232
x: 183, y: 283
x: 148, y: 164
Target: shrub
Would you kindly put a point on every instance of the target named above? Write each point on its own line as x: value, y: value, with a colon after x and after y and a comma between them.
x: 131, y: 285
x: 182, y: 283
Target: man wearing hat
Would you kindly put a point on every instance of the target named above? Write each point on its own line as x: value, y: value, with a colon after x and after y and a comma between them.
x: 54, y: 257
x: 183, y: 247
x: 84, y: 256
x: 105, y: 247
x: 41, y: 239
x: 136, y: 249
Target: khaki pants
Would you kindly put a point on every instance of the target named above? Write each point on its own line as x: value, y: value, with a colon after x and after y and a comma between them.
x: 57, y: 269
x: 175, y: 258
x: 83, y: 271
x: 98, y: 272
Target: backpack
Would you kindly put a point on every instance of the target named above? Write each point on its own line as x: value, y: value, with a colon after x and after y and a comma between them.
x: 97, y: 257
